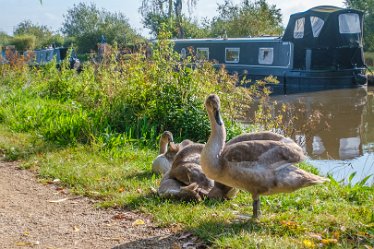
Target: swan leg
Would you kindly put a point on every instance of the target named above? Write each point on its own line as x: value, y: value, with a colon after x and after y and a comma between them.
x: 256, y: 207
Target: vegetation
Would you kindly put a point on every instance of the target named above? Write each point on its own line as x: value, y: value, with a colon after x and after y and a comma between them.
x: 122, y: 98
x: 96, y: 131
x: 88, y: 24
x: 24, y: 42
x: 369, y: 59
x: 368, y: 8
x: 328, y: 216
x: 247, y: 19
x: 234, y: 20
x: 157, y: 13
x: 44, y: 37
x: 4, y: 38
x: 85, y: 25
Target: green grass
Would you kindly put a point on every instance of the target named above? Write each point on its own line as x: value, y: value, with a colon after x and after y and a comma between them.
x: 97, y: 132
x: 330, y: 215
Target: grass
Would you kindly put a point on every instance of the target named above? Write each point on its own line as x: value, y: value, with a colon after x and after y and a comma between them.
x: 97, y: 132
x: 331, y: 215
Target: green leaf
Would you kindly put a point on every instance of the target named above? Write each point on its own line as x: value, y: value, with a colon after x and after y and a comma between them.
x: 351, y: 176
x: 363, y: 181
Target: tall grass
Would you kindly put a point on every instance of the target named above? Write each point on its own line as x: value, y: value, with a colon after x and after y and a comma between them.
x: 132, y: 95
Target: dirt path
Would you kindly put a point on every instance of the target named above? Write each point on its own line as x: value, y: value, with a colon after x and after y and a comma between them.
x: 33, y: 215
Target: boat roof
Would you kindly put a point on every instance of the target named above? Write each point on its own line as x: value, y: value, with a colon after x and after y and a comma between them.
x: 329, y: 34
x: 229, y: 40
x: 325, y: 9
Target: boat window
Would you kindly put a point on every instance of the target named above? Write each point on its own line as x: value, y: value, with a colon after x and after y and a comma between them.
x: 266, y: 56
x: 202, y: 53
x: 183, y: 53
x: 349, y: 23
x: 232, y: 55
x: 317, y: 25
x: 298, y: 31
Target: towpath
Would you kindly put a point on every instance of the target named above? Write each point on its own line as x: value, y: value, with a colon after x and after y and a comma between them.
x: 35, y: 215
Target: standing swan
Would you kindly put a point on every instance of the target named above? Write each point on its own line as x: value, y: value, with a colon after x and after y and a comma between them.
x: 261, y: 167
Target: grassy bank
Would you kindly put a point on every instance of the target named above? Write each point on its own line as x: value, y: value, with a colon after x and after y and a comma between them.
x: 331, y: 215
x: 97, y: 132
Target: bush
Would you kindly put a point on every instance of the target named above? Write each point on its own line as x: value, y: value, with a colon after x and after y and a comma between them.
x: 24, y: 42
x: 133, y: 95
x: 369, y: 59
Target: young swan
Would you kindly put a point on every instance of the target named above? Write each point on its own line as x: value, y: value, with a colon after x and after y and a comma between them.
x: 187, y: 181
x: 261, y: 167
x: 168, y: 150
x: 222, y: 191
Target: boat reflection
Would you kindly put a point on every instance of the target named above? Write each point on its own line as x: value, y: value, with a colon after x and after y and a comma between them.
x: 335, y: 129
x: 333, y: 124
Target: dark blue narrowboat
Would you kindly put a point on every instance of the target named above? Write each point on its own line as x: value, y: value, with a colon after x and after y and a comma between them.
x: 43, y: 56
x: 321, y: 49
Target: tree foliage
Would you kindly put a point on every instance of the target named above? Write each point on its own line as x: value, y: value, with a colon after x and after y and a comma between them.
x: 24, y: 42
x: 44, y: 37
x: 247, y: 19
x: 368, y: 7
x: 158, y: 14
x: 87, y: 24
x: 4, y: 38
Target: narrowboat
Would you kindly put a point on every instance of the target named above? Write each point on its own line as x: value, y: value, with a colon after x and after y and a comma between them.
x: 43, y: 56
x: 320, y: 49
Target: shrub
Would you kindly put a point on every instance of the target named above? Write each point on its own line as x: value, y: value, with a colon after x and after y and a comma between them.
x: 24, y: 42
x: 132, y: 95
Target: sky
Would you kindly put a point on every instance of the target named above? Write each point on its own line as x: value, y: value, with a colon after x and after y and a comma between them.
x: 51, y: 12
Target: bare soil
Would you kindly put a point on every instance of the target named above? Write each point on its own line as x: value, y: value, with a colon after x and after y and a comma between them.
x: 35, y: 215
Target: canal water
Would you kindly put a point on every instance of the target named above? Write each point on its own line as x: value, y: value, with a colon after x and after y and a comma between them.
x: 336, y: 130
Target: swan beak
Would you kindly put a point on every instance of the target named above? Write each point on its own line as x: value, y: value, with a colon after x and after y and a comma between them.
x: 173, y: 146
x: 217, y: 116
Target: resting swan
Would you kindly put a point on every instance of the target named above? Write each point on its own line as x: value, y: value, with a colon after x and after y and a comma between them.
x: 186, y: 181
x: 168, y: 150
x: 261, y: 167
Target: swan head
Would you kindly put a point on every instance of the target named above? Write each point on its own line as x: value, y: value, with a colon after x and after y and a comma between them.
x: 167, y: 137
x: 212, y: 105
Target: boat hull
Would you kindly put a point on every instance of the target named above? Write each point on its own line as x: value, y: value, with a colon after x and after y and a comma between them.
x: 297, y: 81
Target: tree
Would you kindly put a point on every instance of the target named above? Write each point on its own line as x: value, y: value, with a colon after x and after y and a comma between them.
x: 368, y: 8
x: 157, y: 13
x: 24, y: 42
x: 87, y: 25
x: 247, y: 19
x: 4, y: 38
x: 44, y: 37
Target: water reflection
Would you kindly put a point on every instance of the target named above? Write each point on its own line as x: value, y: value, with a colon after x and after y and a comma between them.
x: 335, y: 128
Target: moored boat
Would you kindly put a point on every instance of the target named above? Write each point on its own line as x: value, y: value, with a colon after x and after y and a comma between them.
x: 321, y: 49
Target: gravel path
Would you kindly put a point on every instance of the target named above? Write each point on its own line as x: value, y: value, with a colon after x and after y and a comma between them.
x: 33, y: 215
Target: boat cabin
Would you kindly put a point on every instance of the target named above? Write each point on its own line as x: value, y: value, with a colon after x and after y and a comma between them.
x: 43, y: 56
x: 321, y: 49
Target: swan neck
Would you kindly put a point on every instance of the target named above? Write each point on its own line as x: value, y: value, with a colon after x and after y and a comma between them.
x: 210, y: 157
x: 163, y: 147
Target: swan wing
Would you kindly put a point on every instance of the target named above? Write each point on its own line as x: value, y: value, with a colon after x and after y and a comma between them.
x: 263, y: 135
x: 263, y: 152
